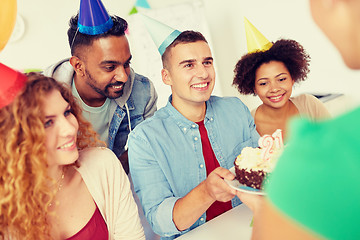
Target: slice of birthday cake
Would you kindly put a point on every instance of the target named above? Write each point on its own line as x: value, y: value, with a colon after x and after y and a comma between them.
x: 253, y: 164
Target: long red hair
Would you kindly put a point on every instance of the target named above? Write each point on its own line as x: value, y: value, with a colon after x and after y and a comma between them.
x: 24, y: 185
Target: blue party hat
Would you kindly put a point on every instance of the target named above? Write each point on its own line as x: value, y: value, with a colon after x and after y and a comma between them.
x: 93, y: 18
x: 161, y: 34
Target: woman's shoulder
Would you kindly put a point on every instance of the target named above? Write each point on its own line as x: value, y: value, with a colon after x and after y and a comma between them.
x: 304, y: 97
x: 310, y: 106
x: 96, y: 151
x: 97, y: 157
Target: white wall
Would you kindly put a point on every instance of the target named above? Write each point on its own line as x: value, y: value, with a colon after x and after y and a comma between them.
x: 45, y: 40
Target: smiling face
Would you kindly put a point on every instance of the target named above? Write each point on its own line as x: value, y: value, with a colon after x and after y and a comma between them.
x: 61, y: 129
x: 190, y: 74
x: 273, y: 84
x: 104, y: 68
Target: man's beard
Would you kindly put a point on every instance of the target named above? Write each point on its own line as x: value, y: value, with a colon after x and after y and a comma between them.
x: 104, y: 92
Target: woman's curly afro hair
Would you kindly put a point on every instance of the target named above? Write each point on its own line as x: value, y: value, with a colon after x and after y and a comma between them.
x: 287, y: 51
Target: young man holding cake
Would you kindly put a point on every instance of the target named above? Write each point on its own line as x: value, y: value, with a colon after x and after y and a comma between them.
x: 180, y: 157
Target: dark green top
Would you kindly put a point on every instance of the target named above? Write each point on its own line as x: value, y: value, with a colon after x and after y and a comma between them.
x: 316, y: 181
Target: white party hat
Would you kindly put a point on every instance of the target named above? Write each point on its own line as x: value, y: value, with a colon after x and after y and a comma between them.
x: 162, y: 34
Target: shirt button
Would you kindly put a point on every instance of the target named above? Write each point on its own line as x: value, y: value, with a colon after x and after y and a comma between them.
x: 195, y: 138
x: 201, y: 165
x: 211, y: 119
x: 184, y: 129
x: 193, y: 126
x: 202, y: 219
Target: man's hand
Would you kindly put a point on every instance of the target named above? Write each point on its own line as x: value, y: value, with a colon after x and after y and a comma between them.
x: 190, y: 207
x: 217, y: 188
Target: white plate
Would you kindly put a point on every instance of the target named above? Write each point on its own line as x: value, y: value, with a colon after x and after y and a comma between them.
x: 240, y: 187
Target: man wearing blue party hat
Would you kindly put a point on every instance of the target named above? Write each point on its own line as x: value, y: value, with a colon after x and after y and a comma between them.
x: 114, y: 98
x: 180, y: 157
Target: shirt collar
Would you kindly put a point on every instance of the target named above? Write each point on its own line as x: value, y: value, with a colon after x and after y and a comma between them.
x: 209, y: 115
x: 182, y: 122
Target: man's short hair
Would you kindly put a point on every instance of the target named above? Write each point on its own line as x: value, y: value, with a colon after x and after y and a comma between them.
x: 184, y: 37
x: 77, y: 39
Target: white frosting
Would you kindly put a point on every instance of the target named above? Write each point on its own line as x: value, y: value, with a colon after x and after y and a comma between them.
x: 251, y: 158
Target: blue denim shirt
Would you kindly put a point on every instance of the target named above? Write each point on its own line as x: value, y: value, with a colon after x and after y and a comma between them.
x: 166, y: 159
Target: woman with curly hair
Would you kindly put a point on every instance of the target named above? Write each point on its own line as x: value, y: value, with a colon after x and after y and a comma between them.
x: 271, y: 74
x: 55, y: 182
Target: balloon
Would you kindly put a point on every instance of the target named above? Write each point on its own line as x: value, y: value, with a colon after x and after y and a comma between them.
x: 8, y: 9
